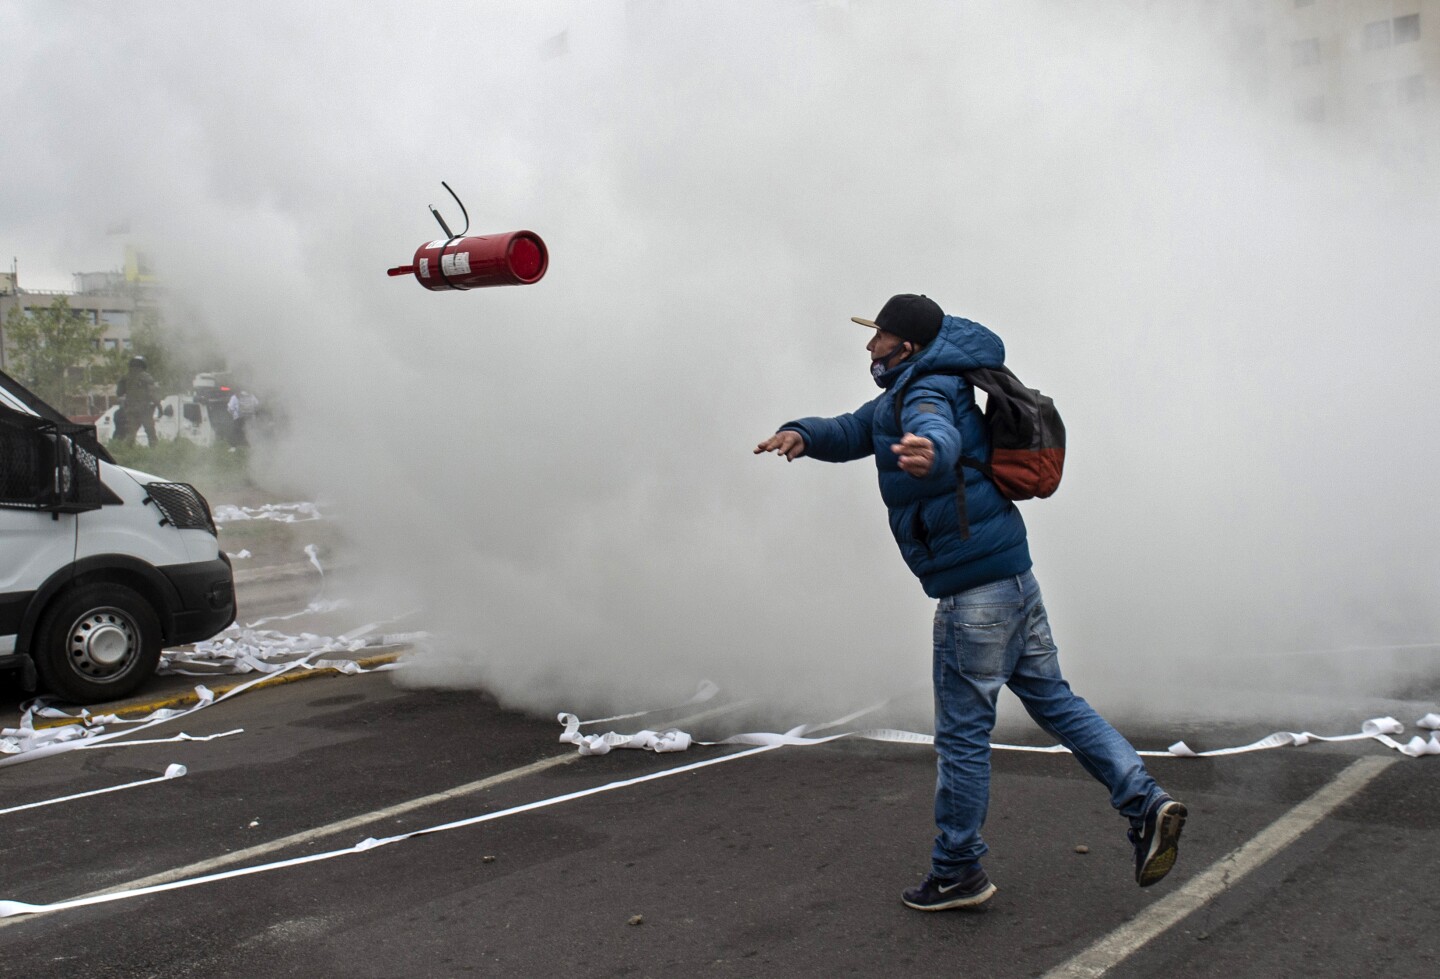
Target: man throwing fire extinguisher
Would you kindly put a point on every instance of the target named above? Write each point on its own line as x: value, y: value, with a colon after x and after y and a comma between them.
x: 991, y: 629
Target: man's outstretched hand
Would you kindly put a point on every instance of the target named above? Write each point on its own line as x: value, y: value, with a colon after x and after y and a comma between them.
x: 789, y: 444
x: 917, y: 454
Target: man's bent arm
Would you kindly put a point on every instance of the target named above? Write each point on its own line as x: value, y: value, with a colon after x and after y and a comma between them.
x: 929, y: 411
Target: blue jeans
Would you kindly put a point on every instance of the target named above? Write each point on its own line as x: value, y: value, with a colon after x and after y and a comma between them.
x: 994, y: 635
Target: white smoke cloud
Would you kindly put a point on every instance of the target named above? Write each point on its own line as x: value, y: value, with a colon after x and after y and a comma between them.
x: 1236, y: 316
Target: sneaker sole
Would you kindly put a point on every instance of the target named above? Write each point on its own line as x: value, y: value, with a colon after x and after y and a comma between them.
x: 967, y: 901
x: 1166, y: 845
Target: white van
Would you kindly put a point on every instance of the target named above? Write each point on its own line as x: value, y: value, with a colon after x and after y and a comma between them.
x: 180, y: 416
x: 100, y: 566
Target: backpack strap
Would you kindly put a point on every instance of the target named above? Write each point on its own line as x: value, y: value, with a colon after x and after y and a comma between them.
x: 994, y: 381
x: 962, y: 513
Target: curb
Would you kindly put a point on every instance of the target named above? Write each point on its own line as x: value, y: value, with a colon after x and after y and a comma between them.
x: 188, y: 698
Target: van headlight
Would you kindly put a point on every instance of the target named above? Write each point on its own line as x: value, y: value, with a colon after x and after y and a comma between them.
x: 182, y: 505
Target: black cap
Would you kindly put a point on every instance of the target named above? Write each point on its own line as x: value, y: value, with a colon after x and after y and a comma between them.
x: 909, y: 317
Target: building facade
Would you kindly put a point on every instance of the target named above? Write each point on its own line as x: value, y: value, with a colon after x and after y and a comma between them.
x: 1369, y: 66
x: 114, y: 300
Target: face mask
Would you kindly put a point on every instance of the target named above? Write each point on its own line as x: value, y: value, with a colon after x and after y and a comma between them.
x: 879, y: 367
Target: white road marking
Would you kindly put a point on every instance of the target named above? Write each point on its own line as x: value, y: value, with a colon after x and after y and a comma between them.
x: 1115, y: 947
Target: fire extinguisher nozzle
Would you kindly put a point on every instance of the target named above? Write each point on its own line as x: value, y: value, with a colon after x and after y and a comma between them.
x: 401, y: 270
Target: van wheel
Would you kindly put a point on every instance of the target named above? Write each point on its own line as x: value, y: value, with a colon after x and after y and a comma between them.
x: 98, y: 642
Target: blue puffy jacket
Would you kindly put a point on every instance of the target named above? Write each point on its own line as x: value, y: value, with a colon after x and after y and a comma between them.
x: 923, y: 518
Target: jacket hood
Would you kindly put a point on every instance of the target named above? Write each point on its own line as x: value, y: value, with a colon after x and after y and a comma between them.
x: 961, y: 345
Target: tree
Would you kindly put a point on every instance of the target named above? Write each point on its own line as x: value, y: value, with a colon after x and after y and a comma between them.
x: 57, y: 353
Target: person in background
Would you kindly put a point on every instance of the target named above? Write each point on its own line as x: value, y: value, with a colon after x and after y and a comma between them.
x: 990, y: 629
x: 136, y: 391
x: 242, y: 407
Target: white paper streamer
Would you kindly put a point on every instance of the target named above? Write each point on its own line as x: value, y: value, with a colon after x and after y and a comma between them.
x: 240, y: 649
x: 1378, y: 729
x: 173, y: 771
x: 673, y: 739
x: 25, y: 743
x: 235, y: 650
x: 182, y: 736
x: 42, y: 744
x: 246, y: 649
x: 32, y: 744
x: 600, y: 744
x: 280, y: 512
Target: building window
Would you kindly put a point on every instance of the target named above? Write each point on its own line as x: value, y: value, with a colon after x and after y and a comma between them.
x: 127, y: 344
x: 1306, y: 52
x: 1377, y: 35
x: 1310, y: 109
x: 111, y: 343
x: 1407, y: 28
x: 115, y: 317
x: 1411, y: 90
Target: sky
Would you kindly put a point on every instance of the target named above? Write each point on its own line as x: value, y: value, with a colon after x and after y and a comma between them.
x: 1236, y: 315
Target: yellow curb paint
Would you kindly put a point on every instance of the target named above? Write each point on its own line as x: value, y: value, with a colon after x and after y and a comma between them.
x: 189, y: 699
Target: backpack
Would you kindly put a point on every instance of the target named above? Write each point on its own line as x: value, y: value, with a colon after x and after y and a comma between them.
x: 1027, y: 438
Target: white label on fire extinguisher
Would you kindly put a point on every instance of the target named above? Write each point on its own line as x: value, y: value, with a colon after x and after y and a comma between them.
x: 456, y: 263
x: 424, y: 268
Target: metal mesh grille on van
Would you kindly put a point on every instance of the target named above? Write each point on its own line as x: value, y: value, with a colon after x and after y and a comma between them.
x: 42, y: 467
x: 182, y: 505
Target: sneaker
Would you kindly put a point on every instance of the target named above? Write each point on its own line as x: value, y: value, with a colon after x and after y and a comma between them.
x: 970, y: 890
x: 1157, y: 841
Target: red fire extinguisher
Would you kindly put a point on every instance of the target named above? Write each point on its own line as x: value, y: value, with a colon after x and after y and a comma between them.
x: 512, y: 258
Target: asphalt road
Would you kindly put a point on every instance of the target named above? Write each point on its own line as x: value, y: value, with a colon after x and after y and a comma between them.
x: 786, y: 862
x: 1316, y: 861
